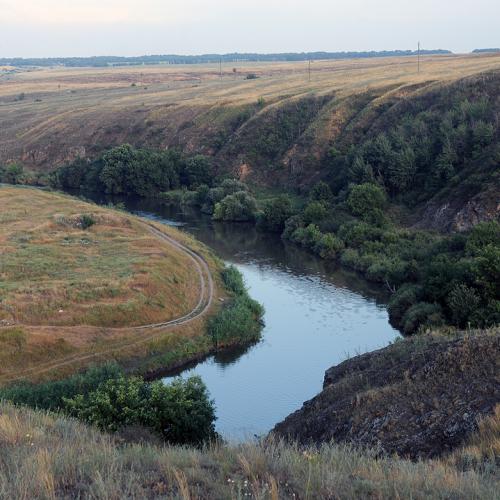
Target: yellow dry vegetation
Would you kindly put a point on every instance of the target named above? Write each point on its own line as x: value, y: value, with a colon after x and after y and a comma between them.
x: 68, y: 289
x: 53, y: 115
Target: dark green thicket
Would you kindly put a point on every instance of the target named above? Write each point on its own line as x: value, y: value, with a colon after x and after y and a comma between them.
x: 50, y: 395
x: 12, y: 174
x: 181, y: 412
x: 130, y: 171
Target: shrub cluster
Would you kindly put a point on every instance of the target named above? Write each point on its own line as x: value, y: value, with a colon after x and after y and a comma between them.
x: 238, y: 320
x: 435, y: 280
x: 125, y: 170
x: 180, y: 413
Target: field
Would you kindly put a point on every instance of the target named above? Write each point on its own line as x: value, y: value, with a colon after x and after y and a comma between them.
x: 50, y: 116
x: 77, y: 281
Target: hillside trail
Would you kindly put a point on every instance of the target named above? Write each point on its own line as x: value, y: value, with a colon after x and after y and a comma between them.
x: 206, y: 297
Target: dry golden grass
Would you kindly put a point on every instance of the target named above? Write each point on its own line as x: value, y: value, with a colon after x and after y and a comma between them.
x: 70, y: 112
x: 66, y: 292
x: 44, y: 456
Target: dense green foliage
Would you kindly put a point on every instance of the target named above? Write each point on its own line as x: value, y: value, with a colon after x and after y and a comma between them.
x: 240, y: 318
x: 12, y: 173
x: 275, y: 213
x: 239, y: 207
x: 436, y: 279
x: 130, y: 171
x: 51, y: 395
x: 426, y: 147
x: 180, y: 412
x: 442, y: 142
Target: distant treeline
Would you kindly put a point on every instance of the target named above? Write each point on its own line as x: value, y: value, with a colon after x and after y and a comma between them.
x: 480, y: 51
x: 101, y: 61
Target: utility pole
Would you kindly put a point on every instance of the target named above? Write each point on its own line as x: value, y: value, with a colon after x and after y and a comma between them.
x: 418, y: 58
x: 309, y: 70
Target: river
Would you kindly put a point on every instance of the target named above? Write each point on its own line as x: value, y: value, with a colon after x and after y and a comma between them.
x: 316, y: 315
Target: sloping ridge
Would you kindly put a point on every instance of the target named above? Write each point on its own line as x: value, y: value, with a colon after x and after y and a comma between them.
x: 419, y: 398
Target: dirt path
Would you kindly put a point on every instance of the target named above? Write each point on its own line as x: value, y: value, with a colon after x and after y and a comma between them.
x: 205, y: 300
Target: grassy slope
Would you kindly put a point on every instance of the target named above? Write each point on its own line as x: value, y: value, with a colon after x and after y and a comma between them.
x: 113, y: 274
x: 46, y: 456
x: 71, y: 112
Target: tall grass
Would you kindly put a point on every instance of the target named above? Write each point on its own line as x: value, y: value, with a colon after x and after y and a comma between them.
x: 43, y: 456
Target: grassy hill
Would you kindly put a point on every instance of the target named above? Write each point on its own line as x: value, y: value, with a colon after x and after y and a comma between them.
x: 82, y: 284
x: 281, y: 129
x: 49, y: 456
x: 50, y: 116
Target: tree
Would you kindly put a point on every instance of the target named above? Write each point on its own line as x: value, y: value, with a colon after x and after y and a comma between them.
x: 315, y: 212
x: 13, y: 173
x: 238, y: 207
x: 198, y: 171
x: 463, y: 302
x: 364, y: 199
x: 321, y: 192
x: 275, y: 213
x: 116, y: 163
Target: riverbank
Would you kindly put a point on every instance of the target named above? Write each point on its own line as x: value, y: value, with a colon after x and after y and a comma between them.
x: 421, y: 397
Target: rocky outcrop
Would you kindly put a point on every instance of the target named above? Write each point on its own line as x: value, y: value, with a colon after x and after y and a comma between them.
x: 420, y: 397
x: 462, y: 215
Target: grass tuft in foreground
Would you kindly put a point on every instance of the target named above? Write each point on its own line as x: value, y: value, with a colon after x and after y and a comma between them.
x: 47, y: 456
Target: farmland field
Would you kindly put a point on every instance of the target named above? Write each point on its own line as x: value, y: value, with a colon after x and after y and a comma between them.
x: 50, y: 116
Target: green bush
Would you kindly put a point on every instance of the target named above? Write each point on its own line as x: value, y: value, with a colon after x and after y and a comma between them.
x: 321, y: 192
x: 463, y: 301
x: 86, y: 221
x: 233, y: 280
x: 237, y: 207
x: 482, y: 235
x: 240, y: 319
x: 51, y: 395
x: 329, y: 246
x: 422, y: 315
x: 274, y: 214
x: 12, y: 173
x: 315, y: 212
x: 366, y: 200
x: 181, y: 412
x: 405, y: 297
x: 291, y: 225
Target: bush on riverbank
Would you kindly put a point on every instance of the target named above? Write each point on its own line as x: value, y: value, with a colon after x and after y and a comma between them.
x: 104, y: 397
x: 238, y: 320
x: 456, y: 276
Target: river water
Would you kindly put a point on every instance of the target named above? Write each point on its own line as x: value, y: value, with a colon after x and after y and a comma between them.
x: 317, y: 315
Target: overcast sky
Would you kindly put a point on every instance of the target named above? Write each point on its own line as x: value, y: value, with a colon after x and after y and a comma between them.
x: 42, y: 28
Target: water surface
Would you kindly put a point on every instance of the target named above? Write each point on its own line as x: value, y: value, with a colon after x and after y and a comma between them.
x: 317, y: 315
